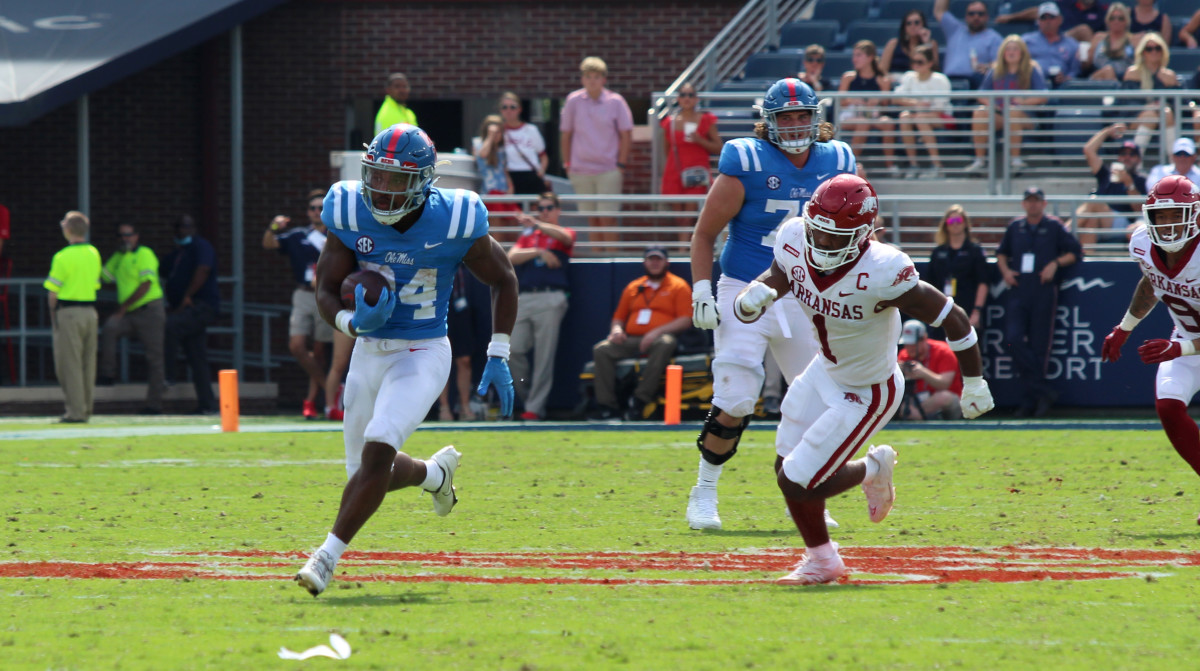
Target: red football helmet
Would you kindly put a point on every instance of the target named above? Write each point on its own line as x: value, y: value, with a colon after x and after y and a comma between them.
x: 843, y: 209
x: 1173, y: 192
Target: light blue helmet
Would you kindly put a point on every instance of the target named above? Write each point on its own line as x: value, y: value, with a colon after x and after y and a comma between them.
x: 397, y: 172
x: 787, y: 95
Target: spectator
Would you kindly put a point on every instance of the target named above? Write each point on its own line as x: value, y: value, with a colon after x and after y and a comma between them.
x: 71, y: 296
x: 1146, y: 18
x: 1183, y: 162
x: 192, y: 304
x: 460, y: 329
x: 919, y: 90
x: 653, y: 308
x: 898, y: 52
x: 1121, y: 179
x: 596, y: 136
x: 958, y: 265
x: 932, y: 366
x: 303, y: 247
x: 814, y: 64
x: 861, y: 115
x: 971, y: 47
x: 1082, y: 19
x: 1111, y: 52
x: 1149, y: 72
x: 140, y: 312
x: 1187, y: 34
x: 1034, y: 250
x: 394, y: 109
x: 1013, y: 70
x: 524, y: 148
x: 1055, y: 53
x: 691, y: 140
x: 540, y: 258
x: 491, y: 160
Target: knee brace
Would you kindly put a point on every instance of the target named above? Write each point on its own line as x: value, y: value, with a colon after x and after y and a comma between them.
x: 711, y: 425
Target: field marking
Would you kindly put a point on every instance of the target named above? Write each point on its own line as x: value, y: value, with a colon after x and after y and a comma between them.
x: 868, y: 565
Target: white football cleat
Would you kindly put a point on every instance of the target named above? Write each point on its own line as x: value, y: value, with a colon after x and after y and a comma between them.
x: 317, y: 572
x: 811, y: 571
x: 702, y: 509
x: 444, y: 497
x: 881, y: 494
x: 830, y: 523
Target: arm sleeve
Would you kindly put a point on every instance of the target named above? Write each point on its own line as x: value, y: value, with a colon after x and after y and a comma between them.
x: 1037, y: 82
x: 899, y: 276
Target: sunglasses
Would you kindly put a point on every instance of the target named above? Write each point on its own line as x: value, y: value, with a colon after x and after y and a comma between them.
x: 1152, y: 47
x: 815, y: 59
x: 546, y: 208
x: 509, y: 107
x: 1118, y: 17
x: 1046, y: 17
x: 686, y: 94
x: 914, y: 22
x: 954, y: 221
x: 976, y: 12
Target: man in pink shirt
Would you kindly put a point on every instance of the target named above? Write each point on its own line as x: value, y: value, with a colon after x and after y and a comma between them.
x: 596, y: 135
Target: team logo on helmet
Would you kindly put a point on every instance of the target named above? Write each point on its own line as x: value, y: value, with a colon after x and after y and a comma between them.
x: 869, y: 204
x: 364, y: 245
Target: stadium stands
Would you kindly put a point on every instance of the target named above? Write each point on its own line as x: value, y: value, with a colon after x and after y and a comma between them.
x: 1184, y: 62
x: 842, y: 11
x: 893, y: 10
x: 771, y: 66
x: 800, y: 34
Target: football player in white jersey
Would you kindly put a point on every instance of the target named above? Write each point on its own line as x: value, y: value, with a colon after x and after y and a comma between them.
x: 394, y: 221
x: 1165, y: 248
x: 763, y: 182
x: 853, y: 290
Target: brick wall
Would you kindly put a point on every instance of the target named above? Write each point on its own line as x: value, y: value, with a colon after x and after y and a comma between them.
x: 160, y: 138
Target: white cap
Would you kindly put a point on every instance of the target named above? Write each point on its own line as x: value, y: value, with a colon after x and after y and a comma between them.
x: 1184, y: 144
x: 1049, y: 8
x: 912, y: 332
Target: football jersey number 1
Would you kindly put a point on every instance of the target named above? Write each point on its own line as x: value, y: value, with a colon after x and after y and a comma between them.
x: 790, y: 208
x: 421, y: 293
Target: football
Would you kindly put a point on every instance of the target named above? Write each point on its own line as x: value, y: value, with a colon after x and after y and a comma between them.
x: 372, y: 282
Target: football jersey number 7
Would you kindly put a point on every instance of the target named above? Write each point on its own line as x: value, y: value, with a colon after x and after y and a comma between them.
x: 790, y: 208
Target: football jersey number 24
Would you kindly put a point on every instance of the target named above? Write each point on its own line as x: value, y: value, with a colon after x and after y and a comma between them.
x: 421, y: 293
x: 790, y: 208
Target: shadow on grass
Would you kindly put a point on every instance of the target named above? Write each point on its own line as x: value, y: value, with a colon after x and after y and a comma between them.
x: 355, y: 600
x: 1160, y: 535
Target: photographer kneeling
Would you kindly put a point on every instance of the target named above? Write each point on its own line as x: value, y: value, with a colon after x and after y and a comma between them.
x: 931, y: 374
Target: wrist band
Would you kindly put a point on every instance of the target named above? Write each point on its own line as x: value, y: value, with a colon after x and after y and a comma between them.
x: 342, y: 321
x: 942, y: 315
x: 1129, y: 322
x: 499, y: 346
x: 966, y: 342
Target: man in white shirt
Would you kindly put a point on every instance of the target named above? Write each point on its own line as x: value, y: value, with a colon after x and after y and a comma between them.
x: 1183, y: 162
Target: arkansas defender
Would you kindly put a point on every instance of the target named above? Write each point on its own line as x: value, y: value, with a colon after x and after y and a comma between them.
x: 1166, y: 251
x: 853, y: 289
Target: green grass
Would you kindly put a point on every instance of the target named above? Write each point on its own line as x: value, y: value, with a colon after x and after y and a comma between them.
x: 149, y: 499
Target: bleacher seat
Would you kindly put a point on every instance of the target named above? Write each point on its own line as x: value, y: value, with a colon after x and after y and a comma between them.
x: 1015, y: 28
x: 800, y: 34
x: 1177, y: 7
x: 842, y: 11
x: 1017, y: 5
x: 896, y: 9
x: 771, y: 66
x: 876, y: 31
x: 1184, y: 62
x: 959, y: 7
x: 937, y: 34
x: 1074, y: 127
x: 835, y: 64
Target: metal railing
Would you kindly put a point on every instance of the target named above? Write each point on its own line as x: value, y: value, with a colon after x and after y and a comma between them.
x: 1051, y: 147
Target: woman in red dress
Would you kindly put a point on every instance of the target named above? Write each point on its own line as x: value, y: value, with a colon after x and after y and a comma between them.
x: 691, y: 139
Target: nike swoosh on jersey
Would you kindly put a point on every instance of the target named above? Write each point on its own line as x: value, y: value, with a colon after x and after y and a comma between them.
x: 429, y: 246
x: 843, y: 294
x: 822, y: 176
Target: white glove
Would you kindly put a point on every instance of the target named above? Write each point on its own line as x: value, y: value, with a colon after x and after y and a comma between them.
x: 976, y: 397
x: 704, y: 306
x: 751, y: 302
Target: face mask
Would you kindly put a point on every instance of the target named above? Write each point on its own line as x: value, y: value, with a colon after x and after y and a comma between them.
x: 183, y: 241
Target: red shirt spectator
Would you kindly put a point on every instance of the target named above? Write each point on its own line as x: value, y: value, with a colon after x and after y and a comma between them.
x: 934, y: 355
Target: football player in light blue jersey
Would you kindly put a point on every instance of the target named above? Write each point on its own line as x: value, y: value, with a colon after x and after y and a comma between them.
x: 763, y: 182
x: 397, y: 223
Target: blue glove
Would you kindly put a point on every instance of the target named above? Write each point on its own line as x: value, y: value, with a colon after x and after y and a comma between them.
x: 367, y: 318
x: 496, y: 374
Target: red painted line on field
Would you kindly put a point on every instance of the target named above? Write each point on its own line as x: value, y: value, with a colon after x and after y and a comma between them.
x: 868, y: 565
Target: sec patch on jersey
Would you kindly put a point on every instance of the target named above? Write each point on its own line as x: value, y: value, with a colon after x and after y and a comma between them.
x: 372, y: 282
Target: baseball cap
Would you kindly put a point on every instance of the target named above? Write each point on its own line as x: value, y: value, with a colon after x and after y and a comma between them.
x: 912, y: 332
x: 1050, y: 8
x: 1035, y: 192
x: 655, y: 251
x: 1129, y: 144
x: 1184, y: 145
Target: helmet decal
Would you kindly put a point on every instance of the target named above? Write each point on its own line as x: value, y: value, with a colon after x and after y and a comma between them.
x: 397, y: 172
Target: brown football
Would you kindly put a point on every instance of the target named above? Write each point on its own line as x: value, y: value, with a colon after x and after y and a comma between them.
x: 372, y: 282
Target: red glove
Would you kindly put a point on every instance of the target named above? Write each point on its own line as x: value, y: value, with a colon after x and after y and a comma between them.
x: 1111, y: 350
x: 1158, y: 351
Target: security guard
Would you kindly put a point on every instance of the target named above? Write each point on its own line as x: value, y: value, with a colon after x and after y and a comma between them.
x: 72, y: 284
x: 1034, y: 249
x: 141, y: 312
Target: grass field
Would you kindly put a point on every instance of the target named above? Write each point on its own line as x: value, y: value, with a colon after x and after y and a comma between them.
x: 1064, y: 549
